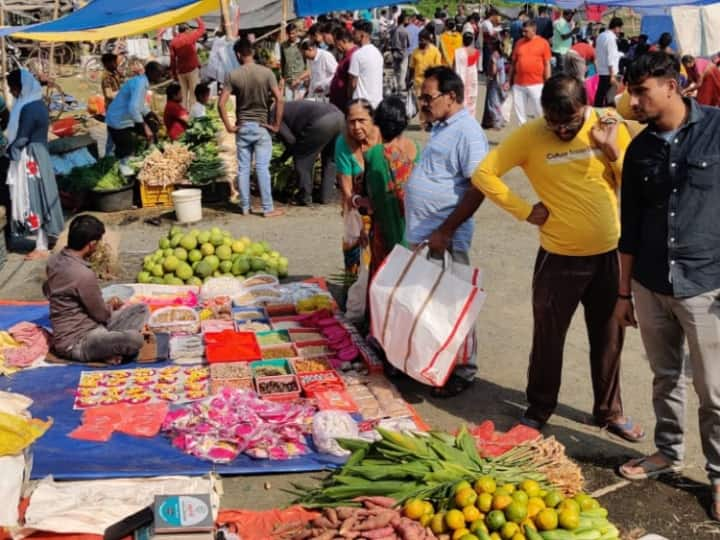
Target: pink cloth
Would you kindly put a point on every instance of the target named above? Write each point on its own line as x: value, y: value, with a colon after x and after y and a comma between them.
x: 34, y: 343
x: 594, y: 12
x: 591, y: 86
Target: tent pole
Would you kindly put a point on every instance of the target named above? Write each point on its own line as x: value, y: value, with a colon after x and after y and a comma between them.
x: 225, y: 8
x: 3, y: 54
x: 51, y: 63
x: 283, y: 20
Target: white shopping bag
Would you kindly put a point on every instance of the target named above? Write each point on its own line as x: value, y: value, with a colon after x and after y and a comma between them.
x: 506, y: 108
x: 423, y: 314
x: 410, y: 104
x: 356, y: 303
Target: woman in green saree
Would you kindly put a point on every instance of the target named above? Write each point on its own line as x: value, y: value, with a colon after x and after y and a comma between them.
x: 388, y: 166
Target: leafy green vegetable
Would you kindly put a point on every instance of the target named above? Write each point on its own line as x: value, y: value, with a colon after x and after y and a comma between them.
x: 102, y: 176
x: 200, y: 131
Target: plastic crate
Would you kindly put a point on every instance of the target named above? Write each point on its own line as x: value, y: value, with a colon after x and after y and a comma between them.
x: 156, y: 196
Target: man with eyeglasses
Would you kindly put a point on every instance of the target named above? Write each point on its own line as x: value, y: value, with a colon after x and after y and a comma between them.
x: 439, y: 203
x: 573, y: 158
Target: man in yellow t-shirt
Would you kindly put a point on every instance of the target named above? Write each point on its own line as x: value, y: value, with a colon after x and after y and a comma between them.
x: 423, y: 58
x: 573, y: 159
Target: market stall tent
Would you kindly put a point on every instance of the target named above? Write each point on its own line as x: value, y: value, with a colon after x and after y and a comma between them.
x: 107, y: 19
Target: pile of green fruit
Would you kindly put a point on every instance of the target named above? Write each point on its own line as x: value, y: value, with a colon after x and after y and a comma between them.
x: 193, y: 257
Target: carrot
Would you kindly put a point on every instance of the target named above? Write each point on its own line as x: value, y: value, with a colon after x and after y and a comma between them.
x: 379, y: 533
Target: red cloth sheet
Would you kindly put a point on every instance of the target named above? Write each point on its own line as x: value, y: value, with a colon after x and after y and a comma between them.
x: 99, y: 423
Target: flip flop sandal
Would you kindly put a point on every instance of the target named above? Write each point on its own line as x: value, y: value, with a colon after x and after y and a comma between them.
x: 650, y: 469
x: 625, y: 430
x: 531, y: 423
x: 454, y: 386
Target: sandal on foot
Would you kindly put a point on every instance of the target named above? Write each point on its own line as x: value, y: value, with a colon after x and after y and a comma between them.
x: 714, y: 514
x: 454, y: 386
x: 537, y: 425
x: 649, y: 468
x: 625, y: 430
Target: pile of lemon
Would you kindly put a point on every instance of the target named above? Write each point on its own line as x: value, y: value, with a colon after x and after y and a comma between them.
x: 486, y: 511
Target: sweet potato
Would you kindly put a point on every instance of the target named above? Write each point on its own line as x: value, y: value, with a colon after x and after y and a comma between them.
x: 304, y: 535
x: 386, y: 502
x: 332, y: 516
x: 377, y: 521
x: 349, y: 524
x: 379, y: 533
x: 327, y: 535
x: 321, y: 522
x: 345, y: 512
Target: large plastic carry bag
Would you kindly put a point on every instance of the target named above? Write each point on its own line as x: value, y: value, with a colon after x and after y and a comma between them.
x: 423, y: 314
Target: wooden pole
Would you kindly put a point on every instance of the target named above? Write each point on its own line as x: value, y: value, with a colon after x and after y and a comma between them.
x: 283, y: 20
x: 51, y: 63
x: 3, y: 55
x: 225, y: 8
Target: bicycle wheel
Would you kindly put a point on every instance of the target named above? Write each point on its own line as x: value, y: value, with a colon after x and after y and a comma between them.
x: 54, y: 98
x: 93, y: 70
x: 64, y: 60
x: 38, y: 64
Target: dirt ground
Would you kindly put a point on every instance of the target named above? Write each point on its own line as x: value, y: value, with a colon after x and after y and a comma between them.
x: 505, y: 249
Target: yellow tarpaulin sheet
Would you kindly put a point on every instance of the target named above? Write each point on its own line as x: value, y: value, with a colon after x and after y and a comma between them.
x: 18, y: 432
x: 131, y: 28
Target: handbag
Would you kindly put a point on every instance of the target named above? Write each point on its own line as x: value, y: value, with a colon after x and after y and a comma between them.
x: 423, y: 314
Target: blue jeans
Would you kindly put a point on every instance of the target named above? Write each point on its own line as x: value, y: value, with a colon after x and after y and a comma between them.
x: 253, y: 139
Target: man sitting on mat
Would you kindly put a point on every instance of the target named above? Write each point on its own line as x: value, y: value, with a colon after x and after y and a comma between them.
x: 85, y: 327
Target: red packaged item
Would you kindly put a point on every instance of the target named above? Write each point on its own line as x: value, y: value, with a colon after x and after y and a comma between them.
x: 231, y: 346
x: 335, y: 400
x: 320, y: 381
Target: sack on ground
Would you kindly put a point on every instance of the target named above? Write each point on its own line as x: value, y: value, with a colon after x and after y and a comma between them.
x: 423, y: 314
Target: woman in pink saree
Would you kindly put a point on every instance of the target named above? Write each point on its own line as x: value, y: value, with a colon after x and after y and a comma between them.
x: 467, y: 65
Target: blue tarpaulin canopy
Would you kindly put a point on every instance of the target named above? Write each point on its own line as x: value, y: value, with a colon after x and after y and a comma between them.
x: 316, y: 7
x: 105, y: 19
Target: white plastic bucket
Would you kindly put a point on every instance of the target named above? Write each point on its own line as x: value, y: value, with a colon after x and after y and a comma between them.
x: 188, y: 205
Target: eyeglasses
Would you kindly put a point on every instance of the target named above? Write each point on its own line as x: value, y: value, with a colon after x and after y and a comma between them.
x: 425, y: 98
x: 573, y: 124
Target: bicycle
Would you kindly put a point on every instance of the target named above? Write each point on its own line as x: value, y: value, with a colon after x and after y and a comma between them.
x: 39, y: 53
x: 93, y: 68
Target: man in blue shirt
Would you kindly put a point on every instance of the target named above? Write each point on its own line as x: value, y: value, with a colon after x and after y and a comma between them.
x: 413, y: 30
x: 439, y: 199
x: 127, y: 114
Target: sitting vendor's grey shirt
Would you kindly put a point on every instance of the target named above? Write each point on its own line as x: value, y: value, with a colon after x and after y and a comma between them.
x: 76, y: 303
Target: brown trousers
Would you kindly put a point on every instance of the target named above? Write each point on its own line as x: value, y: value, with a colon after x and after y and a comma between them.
x: 560, y: 283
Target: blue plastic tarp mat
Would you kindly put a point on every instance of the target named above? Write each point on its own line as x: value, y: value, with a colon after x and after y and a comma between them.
x: 11, y: 314
x: 53, y: 392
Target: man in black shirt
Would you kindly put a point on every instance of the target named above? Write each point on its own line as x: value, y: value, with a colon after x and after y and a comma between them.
x: 544, y: 24
x: 670, y: 259
x: 309, y: 129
